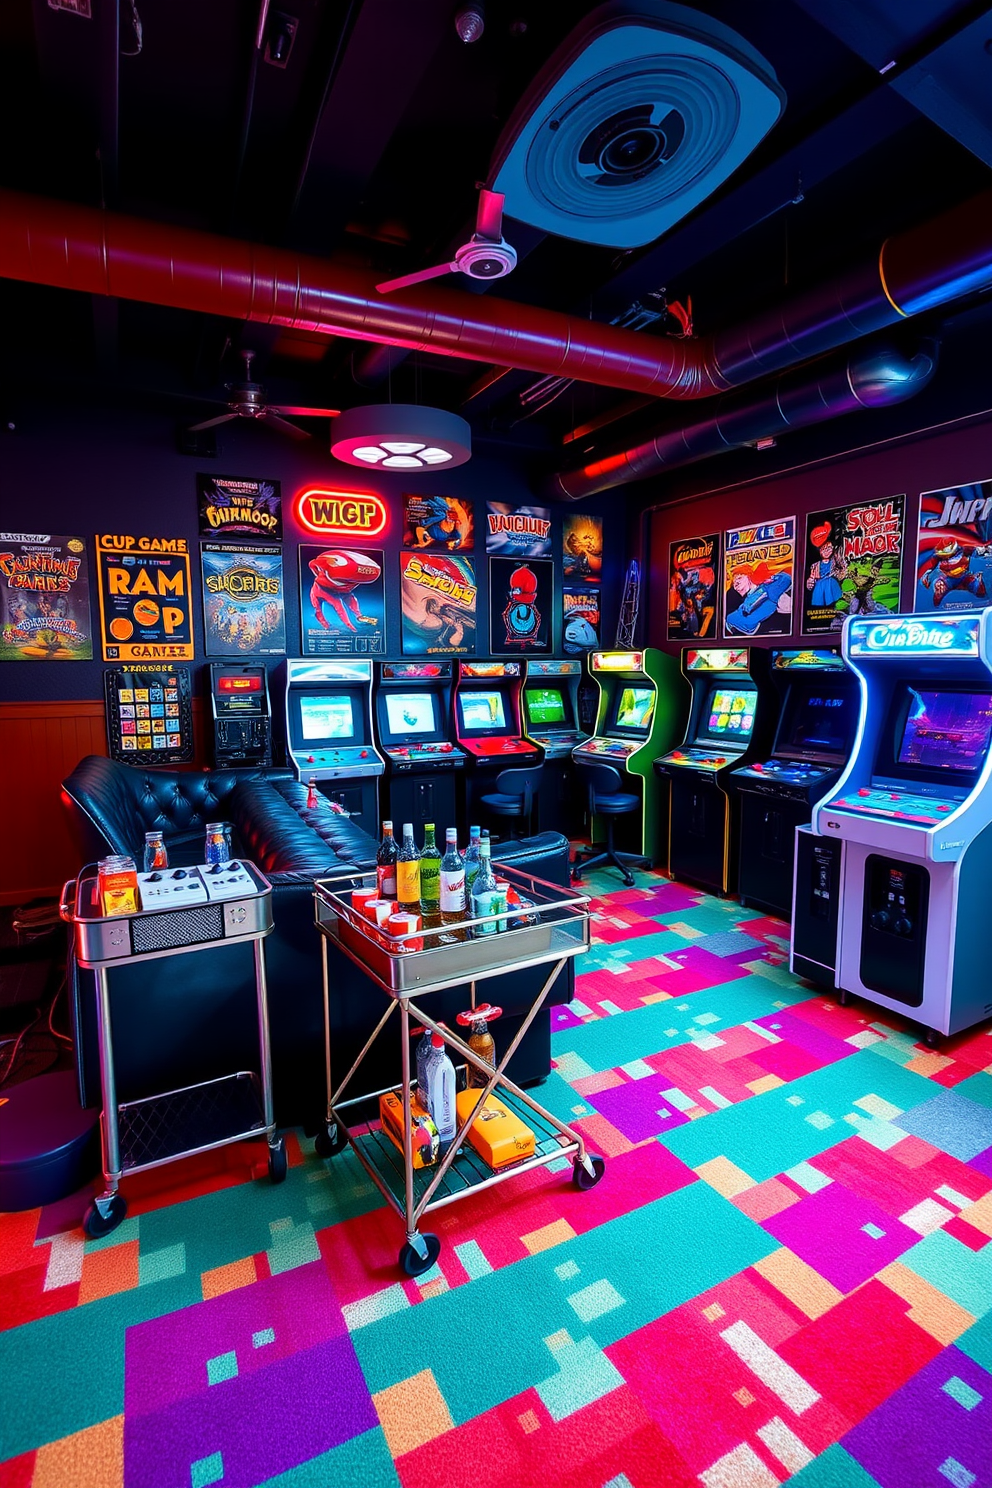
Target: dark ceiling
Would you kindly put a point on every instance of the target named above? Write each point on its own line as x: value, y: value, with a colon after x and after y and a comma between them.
x: 365, y: 144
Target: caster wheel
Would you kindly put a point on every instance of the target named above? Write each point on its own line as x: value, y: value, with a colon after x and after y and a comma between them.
x: 931, y: 1038
x: 415, y: 1265
x: 629, y: 881
x: 581, y: 1176
x: 278, y: 1162
x: 328, y: 1145
x: 96, y: 1225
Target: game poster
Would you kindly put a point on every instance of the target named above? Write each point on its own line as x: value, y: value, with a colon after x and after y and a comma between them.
x: 342, y: 601
x: 238, y: 507
x: 852, y: 563
x: 244, y: 601
x: 439, y: 524
x: 758, y: 573
x: 518, y: 531
x: 693, y: 567
x: 581, y: 620
x: 439, y: 601
x: 145, y: 608
x: 44, y: 598
x: 954, y: 549
x: 521, y: 595
x: 582, y: 548
x: 149, y: 715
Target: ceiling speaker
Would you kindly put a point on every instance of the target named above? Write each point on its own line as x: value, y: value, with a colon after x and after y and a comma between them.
x: 642, y: 112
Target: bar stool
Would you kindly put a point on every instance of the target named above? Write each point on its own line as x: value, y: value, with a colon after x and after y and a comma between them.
x: 514, y: 795
x: 607, y: 799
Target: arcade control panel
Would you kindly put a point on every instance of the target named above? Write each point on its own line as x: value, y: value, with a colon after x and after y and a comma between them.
x: 496, y: 748
x: 926, y: 811
x: 175, y: 888
x: 417, y: 756
x: 557, y: 745
x: 790, y: 779
x: 330, y: 764
x: 619, y: 749
x: 698, y: 759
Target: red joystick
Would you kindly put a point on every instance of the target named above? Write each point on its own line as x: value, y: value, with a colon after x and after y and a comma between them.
x: 758, y: 768
x: 309, y: 759
x: 364, y: 754
x: 863, y: 792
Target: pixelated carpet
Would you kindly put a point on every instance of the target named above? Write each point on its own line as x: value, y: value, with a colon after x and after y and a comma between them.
x: 784, y: 1275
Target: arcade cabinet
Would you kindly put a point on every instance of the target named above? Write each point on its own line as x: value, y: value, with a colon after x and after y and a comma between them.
x: 487, y: 725
x: 912, y: 814
x: 816, y: 721
x: 730, y: 720
x: 639, y: 714
x: 329, y: 734
x: 241, y: 715
x: 414, y: 728
x: 551, y: 720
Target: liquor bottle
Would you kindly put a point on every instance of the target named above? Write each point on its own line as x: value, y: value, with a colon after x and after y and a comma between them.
x: 408, y: 872
x: 486, y: 897
x: 471, y: 861
x: 480, y: 1040
x: 430, y: 879
x: 385, y: 863
x: 313, y: 800
x: 452, y: 884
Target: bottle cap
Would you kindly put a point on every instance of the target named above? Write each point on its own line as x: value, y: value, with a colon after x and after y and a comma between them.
x: 428, y: 826
x: 387, y: 826
x: 408, y: 829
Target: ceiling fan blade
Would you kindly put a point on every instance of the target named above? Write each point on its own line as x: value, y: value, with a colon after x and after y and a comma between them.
x: 489, y: 218
x: 291, y: 408
x: 283, y: 425
x: 406, y: 280
x: 224, y: 418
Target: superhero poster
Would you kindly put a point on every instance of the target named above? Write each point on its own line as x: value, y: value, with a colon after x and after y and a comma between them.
x: 518, y: 531
x: 954, y: 549
x: 693, y: 565
x: 852, y: 563
x: 239, y: 507
x: 244, y: 602
x: 521, y: 594
x: 145, y: 602
x: 44, y: 598
x: 438, y: 524
x: 439, y: 598
x: 581, y: 620
x: 582, y: 548
x: 758, y: 573
x: 342, y: 601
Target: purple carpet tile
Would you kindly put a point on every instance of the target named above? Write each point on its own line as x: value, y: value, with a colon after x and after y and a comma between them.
x: 828, y: 1231
x: 633, y: 1108
x: 805, y: 1035
x: 982, y: 1162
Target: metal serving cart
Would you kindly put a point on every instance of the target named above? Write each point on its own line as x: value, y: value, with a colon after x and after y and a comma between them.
x: 550, y: 930
x: 218, y: 907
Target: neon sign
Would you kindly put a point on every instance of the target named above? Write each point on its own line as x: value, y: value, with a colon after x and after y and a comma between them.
x: 905, y: 637
x: 330, y: 513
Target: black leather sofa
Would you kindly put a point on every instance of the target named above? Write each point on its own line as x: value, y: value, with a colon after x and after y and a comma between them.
x: 188, y: 1018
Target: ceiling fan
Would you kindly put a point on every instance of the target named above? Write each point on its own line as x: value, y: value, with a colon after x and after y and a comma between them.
x: 247, y: 400
x: 486, y: 255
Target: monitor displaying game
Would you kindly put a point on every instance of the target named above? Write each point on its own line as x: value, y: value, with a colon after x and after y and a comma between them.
x: 817, y: 720
x: 481, y: 711
x: 635, y: 709
x: 945, y: 732
x: 728, y: 714
x: 410, y: 713
x: 544, y: 705
x: 326, y: 717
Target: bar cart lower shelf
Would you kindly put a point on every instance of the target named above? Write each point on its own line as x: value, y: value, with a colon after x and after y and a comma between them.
x: 554, y: 927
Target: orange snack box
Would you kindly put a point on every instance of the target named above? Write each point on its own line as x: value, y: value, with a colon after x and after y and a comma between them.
x: 426, y: 1143
x: 498, y: 1135
x: 119, y: 892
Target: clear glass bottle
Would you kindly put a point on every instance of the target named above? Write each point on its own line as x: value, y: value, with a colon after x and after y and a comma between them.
x: 486, y: 898
x: 408, y: 872
x: 385, y: 863
x: 430, y: 879
x: 156, y: 854
x: 453, y: 884
x: 471, y: 861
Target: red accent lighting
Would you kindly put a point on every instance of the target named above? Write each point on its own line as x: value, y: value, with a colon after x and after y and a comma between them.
x: 343, y: 514
x: 239, y: 684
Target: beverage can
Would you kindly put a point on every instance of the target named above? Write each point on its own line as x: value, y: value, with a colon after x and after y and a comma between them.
x: 361, y: 897
x: 403, y: 923
x: 490, y: 902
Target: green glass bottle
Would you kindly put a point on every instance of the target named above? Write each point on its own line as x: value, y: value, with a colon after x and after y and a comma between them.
x: 430, y: 879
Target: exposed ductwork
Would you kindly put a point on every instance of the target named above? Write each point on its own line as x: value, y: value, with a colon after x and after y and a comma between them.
x: 795, y: 400
x: 103, y: 253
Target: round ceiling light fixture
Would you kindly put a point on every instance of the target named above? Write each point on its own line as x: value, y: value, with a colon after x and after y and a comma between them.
x: 401, y: 436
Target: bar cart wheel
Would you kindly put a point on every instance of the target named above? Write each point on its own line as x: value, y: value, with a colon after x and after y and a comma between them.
x: 581, y: 1176
x: 415, y: 1264
x: 330, y: 1140
x: 98, y: 1222
x: 278, y: 1161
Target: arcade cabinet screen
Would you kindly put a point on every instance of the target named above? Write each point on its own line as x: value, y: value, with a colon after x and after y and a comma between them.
x: 946, y: 730
x: 635, y: 709
x: 729, y: 714
x: 326, y: 718
x: 481, y: 710
x: 544, y: 705
x: 817, y: 722
x: 410, y: 713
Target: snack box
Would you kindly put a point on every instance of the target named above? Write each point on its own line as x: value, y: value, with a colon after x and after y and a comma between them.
x: 119, y: 893
x: 498, y: 1135
x: 426, y: 1142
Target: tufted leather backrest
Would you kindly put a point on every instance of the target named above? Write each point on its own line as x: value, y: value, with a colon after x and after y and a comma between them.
x: 281, y: 835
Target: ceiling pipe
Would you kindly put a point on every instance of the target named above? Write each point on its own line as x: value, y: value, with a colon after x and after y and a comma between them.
x: 795, y: 400
x: 80, y: 248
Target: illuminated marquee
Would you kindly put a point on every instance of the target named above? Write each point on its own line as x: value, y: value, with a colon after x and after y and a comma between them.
x: 350, y: 514
x: 898, y: 637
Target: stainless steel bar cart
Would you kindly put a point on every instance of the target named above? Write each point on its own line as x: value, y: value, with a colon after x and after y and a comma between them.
x: 226, y: 910
x: 553, y: 927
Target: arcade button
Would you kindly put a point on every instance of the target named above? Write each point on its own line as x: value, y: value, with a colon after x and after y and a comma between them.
x: 154, y: 878
x: 309, y: 759
x: 864, y: 792
x: 364, y: 754
x: 180, y: 873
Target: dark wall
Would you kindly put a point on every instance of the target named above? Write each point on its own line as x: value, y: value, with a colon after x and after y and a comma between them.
x: 921, y: 462
x: 83, y: 471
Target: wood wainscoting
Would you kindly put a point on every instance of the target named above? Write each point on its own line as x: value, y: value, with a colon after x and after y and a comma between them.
x: 40, y: 744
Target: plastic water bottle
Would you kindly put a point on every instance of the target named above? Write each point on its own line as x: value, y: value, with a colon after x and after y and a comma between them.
x: 471, y: 861
x: 440, y: 1075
